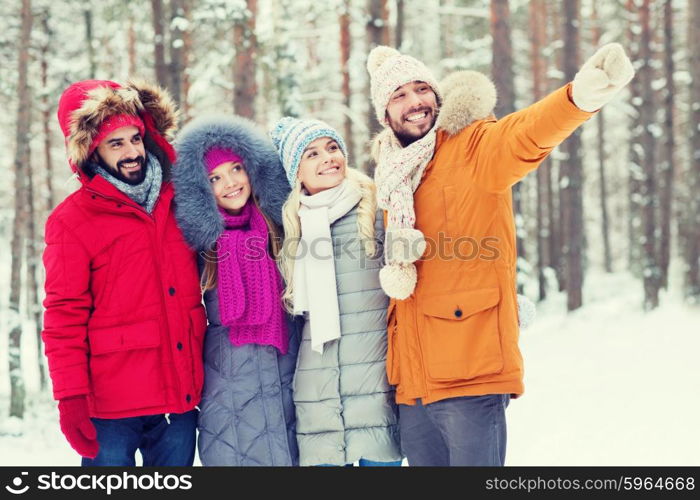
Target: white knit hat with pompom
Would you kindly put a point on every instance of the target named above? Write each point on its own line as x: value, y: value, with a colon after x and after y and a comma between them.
x: 388, y: 70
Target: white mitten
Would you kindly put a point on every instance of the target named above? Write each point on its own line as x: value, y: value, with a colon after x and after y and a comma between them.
x: 526, y: 312
x: 601, y: 77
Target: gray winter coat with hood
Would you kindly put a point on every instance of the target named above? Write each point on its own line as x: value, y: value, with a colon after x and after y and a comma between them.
x: 345, y: 405
x: 247, y: 414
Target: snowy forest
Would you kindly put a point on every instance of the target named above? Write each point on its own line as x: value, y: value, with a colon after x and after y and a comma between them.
x: 608, y: 227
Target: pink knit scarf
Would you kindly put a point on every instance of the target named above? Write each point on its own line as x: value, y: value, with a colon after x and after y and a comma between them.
x: 249, y: 283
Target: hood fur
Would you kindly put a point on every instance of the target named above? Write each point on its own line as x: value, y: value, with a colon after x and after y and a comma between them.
x: 136, y: 98
x: 467, y: 96
x: 195, y: 207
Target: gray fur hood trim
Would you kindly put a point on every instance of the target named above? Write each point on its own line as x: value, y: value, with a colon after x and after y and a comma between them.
x: 195, y: 207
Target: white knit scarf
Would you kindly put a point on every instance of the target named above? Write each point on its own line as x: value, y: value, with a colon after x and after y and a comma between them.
x: 314, y: 268
x: 398, y: 174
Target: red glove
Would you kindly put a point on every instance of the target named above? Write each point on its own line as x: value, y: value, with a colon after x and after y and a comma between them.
x: 77, y: 427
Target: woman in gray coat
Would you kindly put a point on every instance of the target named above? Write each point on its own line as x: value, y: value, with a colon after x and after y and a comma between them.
x: 330, y: 261
x: 228, y: 194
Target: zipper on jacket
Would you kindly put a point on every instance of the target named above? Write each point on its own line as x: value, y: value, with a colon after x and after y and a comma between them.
x: 165, y: 308
x: 154, y: 243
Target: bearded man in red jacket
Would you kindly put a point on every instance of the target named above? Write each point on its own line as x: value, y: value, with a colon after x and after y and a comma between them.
x: 123, y: 321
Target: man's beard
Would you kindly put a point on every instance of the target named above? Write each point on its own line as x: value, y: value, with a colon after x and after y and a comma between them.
x: 117, y: 174
x: 406, y: 138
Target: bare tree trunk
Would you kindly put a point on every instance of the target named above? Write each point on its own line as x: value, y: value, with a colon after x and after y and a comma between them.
x: 17, y: 389
x: 667, y: 163
x: 177, y: 61
x: 131, y: 45
x: 89, y: 40
x: 447, y: 30
x: 400, y: 22
x: 48, y: 168
x: 186, y: 54
x: 377, y: 34
x: 502, y: 73
x: 502, y: 61
x: 33, y: 256
x: 607, y: 256
x: 572, y: 172
x: 159, y: 43
x: 244, y: 74
x: 554, y: 241
x: 556, y: 261
x: 538, y: 42
x: 285, y: 65
x: 635, y: 167
x: 692, y: 253
x: 650, y: 269
x: 345, y: 50
x: 538, y: 39
x: 313, y: 60
x: 46, y: 114
x: 378, y: 24
x: 605, y: 218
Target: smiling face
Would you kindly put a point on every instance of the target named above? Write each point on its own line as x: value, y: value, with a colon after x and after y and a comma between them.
x: 123, y: 154
x: 412, y: 111
x: 231, y: 186
x: 322, y: 165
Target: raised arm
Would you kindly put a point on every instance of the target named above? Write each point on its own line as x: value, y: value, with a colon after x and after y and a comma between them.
x: 506, y: 150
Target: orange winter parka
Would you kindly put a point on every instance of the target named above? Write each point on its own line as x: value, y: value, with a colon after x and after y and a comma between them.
x: 457, y: 335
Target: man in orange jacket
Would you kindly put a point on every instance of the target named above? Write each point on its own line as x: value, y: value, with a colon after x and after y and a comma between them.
x: 445, y: 168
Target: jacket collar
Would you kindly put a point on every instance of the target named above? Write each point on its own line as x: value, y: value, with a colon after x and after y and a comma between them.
x: 99, y: 186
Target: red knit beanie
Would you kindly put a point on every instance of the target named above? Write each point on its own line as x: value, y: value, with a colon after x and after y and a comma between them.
x: 113, y: 123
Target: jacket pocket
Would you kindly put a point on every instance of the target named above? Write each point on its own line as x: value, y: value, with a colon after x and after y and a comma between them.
x: 125, y: 367
x: 392, y: 361
x: 461, y: 334
x: 198, y: 327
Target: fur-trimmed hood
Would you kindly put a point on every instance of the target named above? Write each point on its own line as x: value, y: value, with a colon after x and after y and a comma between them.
x: 85, y: 105
x: 195, y: 207
x: 467, y: 96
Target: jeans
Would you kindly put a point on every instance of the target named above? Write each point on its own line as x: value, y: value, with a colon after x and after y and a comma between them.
x: 468, y: 430
x: 367, y: 463
x: 161, y: 443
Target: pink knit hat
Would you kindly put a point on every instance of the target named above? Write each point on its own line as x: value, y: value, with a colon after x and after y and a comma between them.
x: 216, y: 156
x: 113, y: 123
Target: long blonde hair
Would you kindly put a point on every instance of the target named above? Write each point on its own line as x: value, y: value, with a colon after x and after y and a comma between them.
x: 208, y: 279
x: 366, y: 214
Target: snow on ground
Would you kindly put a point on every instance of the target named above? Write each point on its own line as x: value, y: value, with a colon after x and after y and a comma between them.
x: 606, y: 385
x: 609, y: 384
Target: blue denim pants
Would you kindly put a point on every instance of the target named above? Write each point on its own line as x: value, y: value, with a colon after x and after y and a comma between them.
x: 163, y: 442
x: 468, y: 430
x: 367, y: 463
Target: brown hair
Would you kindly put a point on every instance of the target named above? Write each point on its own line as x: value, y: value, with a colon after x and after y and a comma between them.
x: 208, y: 279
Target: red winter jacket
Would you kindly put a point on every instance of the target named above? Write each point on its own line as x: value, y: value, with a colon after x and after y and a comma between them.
x: 124, y: 322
